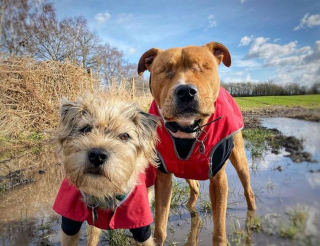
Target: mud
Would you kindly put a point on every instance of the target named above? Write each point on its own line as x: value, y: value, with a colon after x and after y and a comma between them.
x: 251, y: 116
x: 290, y: 144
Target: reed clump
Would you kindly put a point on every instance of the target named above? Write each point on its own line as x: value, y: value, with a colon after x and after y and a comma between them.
x: 30, y: 92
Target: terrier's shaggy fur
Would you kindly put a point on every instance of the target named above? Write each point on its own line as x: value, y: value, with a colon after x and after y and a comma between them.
x: 124, y: 138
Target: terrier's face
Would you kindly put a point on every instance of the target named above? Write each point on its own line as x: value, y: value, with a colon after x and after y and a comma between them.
x: 105, y: 143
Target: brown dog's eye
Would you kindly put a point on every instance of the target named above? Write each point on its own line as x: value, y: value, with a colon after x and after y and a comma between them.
x: 170, y: 73
x: 86, y: 129
x: 196, y: 68
x: 124, y: 136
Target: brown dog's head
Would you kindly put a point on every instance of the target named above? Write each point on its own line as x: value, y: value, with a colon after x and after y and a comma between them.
x: 185, y: 81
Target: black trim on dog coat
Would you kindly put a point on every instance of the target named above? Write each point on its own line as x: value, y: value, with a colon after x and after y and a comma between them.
x: 218, y: 157
x: 72, y: 227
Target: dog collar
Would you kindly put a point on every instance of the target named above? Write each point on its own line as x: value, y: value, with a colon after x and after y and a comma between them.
x: 195, y: 127
x: 175, y: 127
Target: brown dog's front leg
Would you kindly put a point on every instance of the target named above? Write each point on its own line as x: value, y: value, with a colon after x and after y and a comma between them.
x: 239, y: 160
x: 163, y: 188
x: 194, y: 193
x: 219, y: 196
x: 67, y: 240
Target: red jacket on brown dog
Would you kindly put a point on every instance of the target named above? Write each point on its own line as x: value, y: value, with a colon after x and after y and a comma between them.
x: 198, y: 165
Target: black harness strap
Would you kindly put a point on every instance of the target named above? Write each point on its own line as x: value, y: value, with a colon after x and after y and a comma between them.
x: 174, y: 126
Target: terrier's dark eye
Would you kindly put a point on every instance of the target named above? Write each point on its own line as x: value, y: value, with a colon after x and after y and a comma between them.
x: 124, y: 136
x: 86, y: 129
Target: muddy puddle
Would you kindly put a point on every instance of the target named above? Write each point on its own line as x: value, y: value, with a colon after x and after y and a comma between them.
x: 288, y: 200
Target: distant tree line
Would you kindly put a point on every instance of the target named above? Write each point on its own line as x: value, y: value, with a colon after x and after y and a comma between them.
x: 31, y: 28
x: 269, y: 88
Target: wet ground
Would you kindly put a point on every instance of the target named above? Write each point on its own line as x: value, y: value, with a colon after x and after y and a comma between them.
x: 288, y: 201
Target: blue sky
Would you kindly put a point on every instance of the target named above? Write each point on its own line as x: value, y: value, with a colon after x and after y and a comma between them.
x: 267, y: 39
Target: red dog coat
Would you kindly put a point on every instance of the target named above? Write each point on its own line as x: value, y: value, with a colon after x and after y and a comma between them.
x: 132, y: 212
x: 198, y: 166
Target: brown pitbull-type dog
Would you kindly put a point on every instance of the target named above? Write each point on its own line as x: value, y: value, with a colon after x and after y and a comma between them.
x: 185, y: 85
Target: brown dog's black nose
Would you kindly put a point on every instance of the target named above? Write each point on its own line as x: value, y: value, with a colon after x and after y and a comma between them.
x: 186, y: 93
x: 97, y: 156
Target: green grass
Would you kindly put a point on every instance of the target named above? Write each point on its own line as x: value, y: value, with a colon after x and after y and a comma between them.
x: 304, y: 101
x: 257, y: 141
x: 117, y: 237
x: 180, y: 194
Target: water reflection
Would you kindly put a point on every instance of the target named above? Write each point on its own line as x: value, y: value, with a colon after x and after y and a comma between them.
x: 26, y: 210
x: 301, y: 129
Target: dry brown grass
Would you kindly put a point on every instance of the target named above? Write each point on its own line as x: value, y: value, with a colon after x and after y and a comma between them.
x: 123, y: 92
x: 30, y: 92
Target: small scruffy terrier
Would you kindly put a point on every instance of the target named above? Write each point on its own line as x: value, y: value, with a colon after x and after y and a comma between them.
x: 106, y: 145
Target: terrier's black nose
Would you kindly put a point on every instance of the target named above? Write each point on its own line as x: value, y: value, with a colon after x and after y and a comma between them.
x: 186, y: 93
x: 97, y: 156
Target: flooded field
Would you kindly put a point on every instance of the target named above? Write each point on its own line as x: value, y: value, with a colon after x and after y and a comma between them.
x: 287, y: 195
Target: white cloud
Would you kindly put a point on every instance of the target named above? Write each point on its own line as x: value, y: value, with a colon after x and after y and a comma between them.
x: 260, y: 48
x: 102, y: 17
x: 242, y: 1
x: 246, y: 63
x: 212, y: 22
x: 132, y: 51
x: 315, y: 55
x: 308, y: 21
x: 245, y: 41
x: 240, y: 76
x: 277, y: 39
x: 291, y: 62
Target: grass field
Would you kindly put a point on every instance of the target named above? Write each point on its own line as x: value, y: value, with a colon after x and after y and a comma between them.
x: 304, y: 101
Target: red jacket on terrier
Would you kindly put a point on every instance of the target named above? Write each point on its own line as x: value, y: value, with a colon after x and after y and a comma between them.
x: 132, y: 212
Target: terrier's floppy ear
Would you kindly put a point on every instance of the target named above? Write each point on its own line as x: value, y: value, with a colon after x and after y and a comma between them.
x: 147, y: 130
x: 65, y: 106
x: 69, y: 112
x: 220, y: 52
x: 146, y: 60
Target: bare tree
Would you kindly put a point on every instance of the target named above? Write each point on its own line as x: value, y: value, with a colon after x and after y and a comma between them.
x: 110, y: 64
x: 50, y: 39
x: 85, y: 41
x: 14, y: 24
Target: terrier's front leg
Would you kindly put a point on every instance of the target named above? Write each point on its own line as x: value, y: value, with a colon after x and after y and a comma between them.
x: 93, y: 235
x: 67, y: 240
x: 149, y: 242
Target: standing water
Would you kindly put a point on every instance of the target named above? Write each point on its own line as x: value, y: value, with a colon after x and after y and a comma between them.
x: 287, y: 196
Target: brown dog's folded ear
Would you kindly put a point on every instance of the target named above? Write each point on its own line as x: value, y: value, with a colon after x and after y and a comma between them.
x: 220, y: 52
x: 147, y: 129
x: 146, y: 60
